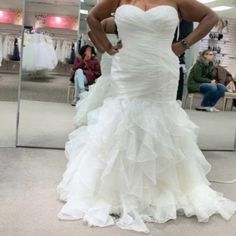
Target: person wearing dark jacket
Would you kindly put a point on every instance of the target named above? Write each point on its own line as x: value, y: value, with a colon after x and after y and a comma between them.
x: 182, y: 31
x: 86, y: 70
x: 201, y: 80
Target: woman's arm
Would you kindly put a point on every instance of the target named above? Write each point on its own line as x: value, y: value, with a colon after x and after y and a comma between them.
x: 95, y: 42
x: 192, y: 10
x: 109, y: 27
x: 100, y: 12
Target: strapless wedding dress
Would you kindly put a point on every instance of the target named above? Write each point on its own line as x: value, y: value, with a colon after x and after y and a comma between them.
x: 137, y: 160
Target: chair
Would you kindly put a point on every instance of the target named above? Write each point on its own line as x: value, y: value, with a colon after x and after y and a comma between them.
x: 191, y: 96
x: 227, y: 97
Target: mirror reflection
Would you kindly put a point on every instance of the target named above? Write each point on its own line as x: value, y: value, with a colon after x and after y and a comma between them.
x: 10, y: 49
x: 213, y: 111
x: 50, y: 47
x: 210, y: 86
x: 57, y: 93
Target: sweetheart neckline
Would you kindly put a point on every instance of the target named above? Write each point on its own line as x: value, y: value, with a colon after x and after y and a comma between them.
x: 148, y: 10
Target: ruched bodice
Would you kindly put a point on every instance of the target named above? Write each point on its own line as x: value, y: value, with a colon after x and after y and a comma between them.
x: 146, y: 65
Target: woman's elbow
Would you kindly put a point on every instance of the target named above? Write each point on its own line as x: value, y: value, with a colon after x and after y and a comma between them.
x: 90, y: 19
x: 213, y: 17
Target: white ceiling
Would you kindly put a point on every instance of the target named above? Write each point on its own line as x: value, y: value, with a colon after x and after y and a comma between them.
x: 228, y: 13
x: 71, y: 7
x: 89, y: 3
x: 57, y: 2
x: 11, y: 4
x: 17, y: 4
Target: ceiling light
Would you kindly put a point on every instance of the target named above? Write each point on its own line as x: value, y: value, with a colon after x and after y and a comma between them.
x: 221, y: 8
x: 206, y: 1
x: 58, y: 19
x: 84, y: 12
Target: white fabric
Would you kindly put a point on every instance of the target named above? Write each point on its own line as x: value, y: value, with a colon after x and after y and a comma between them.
x: 98, y: 91
x: 39, y: 53
x: 138, y: 156
x: 65, y: 51
x: 8, y: 46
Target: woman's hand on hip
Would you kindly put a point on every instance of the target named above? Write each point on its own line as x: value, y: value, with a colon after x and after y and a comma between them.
x: 178, y: 48
x: 113, y: 50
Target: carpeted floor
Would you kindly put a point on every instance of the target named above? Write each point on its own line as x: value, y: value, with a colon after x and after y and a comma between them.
x: 29, y: 205
x: 45, y: 124
x: 35, y: 87
x: 9, y: 87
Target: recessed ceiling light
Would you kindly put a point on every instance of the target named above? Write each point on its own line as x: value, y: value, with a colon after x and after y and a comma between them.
x: 58, y: 19
x: 206, y: 1
x: 221, y: 8
x: 84, y: 11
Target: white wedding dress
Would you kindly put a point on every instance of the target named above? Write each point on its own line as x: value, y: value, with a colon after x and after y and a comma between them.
x: 98, y: 91
x: 137, y: 160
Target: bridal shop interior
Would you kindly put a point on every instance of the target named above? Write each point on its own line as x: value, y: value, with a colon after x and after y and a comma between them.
x: 39, y: 41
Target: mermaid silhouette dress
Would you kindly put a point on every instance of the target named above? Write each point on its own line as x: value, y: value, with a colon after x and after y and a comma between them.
x: 138, y: 158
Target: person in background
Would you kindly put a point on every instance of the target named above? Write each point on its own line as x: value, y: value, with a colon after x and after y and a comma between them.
x: 223, y: 76
x: 86, y: 70
x: 99, y: 91
x: 201, y: 80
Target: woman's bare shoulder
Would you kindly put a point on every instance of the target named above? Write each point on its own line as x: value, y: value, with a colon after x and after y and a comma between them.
x: 192, y: 10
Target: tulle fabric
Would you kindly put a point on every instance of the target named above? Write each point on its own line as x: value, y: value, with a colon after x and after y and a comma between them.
x: 39, y: 53
x: 144, y: 167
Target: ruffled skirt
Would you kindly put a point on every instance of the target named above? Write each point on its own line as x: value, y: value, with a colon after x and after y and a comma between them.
x: 137, y: 161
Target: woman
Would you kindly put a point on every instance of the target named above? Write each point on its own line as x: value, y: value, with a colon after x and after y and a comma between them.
x: 101, y: 89
x: 201, y: 80
x: 137, y: 160
x: 86, y: 70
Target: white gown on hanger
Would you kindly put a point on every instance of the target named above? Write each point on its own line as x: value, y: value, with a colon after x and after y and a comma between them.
x: 138, y: 156
x: 39, y: 53
x: 98, y: 91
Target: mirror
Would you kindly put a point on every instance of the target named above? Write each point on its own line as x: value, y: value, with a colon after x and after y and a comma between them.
x: 46, y: 116
x: 49, y: 48
x: 217, y: 129
x: 11, y: 15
